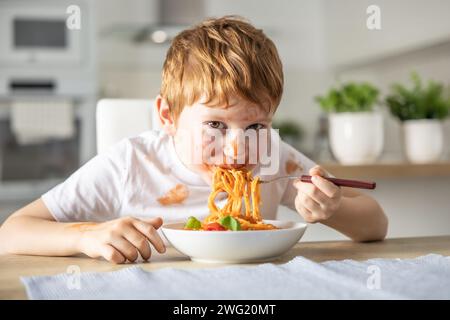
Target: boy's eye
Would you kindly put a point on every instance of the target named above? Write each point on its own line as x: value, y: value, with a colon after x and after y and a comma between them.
x: 255, y: 126
x: 216, y: 125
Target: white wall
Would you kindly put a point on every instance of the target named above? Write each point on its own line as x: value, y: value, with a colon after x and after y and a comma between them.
x: 125, y: 68
x: 405, y: 24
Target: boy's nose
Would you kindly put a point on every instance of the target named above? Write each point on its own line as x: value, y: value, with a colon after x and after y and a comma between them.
x: 234, y: 148
x: 231, y: 149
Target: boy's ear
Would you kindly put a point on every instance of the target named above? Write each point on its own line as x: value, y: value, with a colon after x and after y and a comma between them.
x: 165, y: 117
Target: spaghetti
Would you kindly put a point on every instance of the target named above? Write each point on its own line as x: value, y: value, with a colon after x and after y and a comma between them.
x: 238, y: 184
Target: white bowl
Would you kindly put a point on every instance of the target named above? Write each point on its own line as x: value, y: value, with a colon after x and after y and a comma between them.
x: 234, y: 246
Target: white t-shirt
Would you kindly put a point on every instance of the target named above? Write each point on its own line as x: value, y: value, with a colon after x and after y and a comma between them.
x: 137, y: 176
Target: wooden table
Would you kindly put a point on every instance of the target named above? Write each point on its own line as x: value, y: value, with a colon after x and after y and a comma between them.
x: 12, y: 267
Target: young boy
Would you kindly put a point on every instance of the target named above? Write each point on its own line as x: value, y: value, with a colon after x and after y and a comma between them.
x: 220, y: 76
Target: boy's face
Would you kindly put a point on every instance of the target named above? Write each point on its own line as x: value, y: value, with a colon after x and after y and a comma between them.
x: 229, y: 137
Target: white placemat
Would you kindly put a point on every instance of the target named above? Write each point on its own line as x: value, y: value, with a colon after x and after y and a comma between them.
x: 426, y: 277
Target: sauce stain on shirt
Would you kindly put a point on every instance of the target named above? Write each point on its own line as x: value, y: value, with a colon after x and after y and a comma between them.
x: 293, y: 166
x: 175, y: 195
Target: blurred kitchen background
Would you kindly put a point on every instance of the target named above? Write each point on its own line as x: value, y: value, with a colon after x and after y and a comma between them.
x: 53, y: 74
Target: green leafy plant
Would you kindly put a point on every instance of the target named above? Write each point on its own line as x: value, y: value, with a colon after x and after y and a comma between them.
x: 419, y: 102
x: 288, y: 129
x: 349, y: 97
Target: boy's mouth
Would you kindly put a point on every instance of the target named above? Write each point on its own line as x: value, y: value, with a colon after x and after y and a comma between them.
x: 226, y: 166
x: 233, y: 166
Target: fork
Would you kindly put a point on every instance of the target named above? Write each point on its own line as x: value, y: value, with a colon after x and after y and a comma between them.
x: 336, y: 181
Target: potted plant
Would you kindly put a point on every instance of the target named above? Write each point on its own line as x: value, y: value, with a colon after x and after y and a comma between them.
x: 291, y: 132
x: 355, y: 128
x: 421, y: 110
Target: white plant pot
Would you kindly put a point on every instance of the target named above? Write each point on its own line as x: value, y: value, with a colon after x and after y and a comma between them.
x: 424, y: 140
x: 356, y: 137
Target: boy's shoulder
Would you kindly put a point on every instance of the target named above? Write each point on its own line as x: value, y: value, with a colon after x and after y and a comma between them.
x: 144, y: 141
x: 149, y: 142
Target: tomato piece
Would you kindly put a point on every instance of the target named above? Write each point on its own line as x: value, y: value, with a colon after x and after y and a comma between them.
x: 214, y: 226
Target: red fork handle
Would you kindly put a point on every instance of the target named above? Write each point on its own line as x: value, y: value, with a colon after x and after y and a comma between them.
x: 344, y: 182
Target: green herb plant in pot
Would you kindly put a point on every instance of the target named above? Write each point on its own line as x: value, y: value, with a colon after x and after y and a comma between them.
x: 421, y: 110
x: 290, y: 131
x: 355, y: 127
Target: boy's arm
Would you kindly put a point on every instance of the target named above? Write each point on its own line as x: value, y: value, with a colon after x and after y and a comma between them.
x: 359, y: 217
x: 33, y: 230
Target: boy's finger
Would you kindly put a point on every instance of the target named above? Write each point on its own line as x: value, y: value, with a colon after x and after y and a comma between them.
x: 327, y: 187
x: 140, y: 242
x: 314, y: 192
x: 125, y: 248
x: 155, y: 222
x: 111, y: 254
x: 309, y: 203
x: 317, y: 171
x: 299, y: 206
x: 305, y: 213
x: 311, y: 190
x: 149, y: 231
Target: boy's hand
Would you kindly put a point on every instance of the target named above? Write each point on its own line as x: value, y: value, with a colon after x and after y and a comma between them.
x: 319, y: 200
x: 121, y: 239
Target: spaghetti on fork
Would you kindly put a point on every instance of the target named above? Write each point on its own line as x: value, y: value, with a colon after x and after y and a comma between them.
x: 238, y: 184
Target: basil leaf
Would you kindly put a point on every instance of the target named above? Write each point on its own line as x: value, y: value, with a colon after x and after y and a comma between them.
x: 193, y: 223
x: 230, y: 223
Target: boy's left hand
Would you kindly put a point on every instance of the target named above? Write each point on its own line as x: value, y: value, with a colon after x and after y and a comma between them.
x: 319, y: 200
